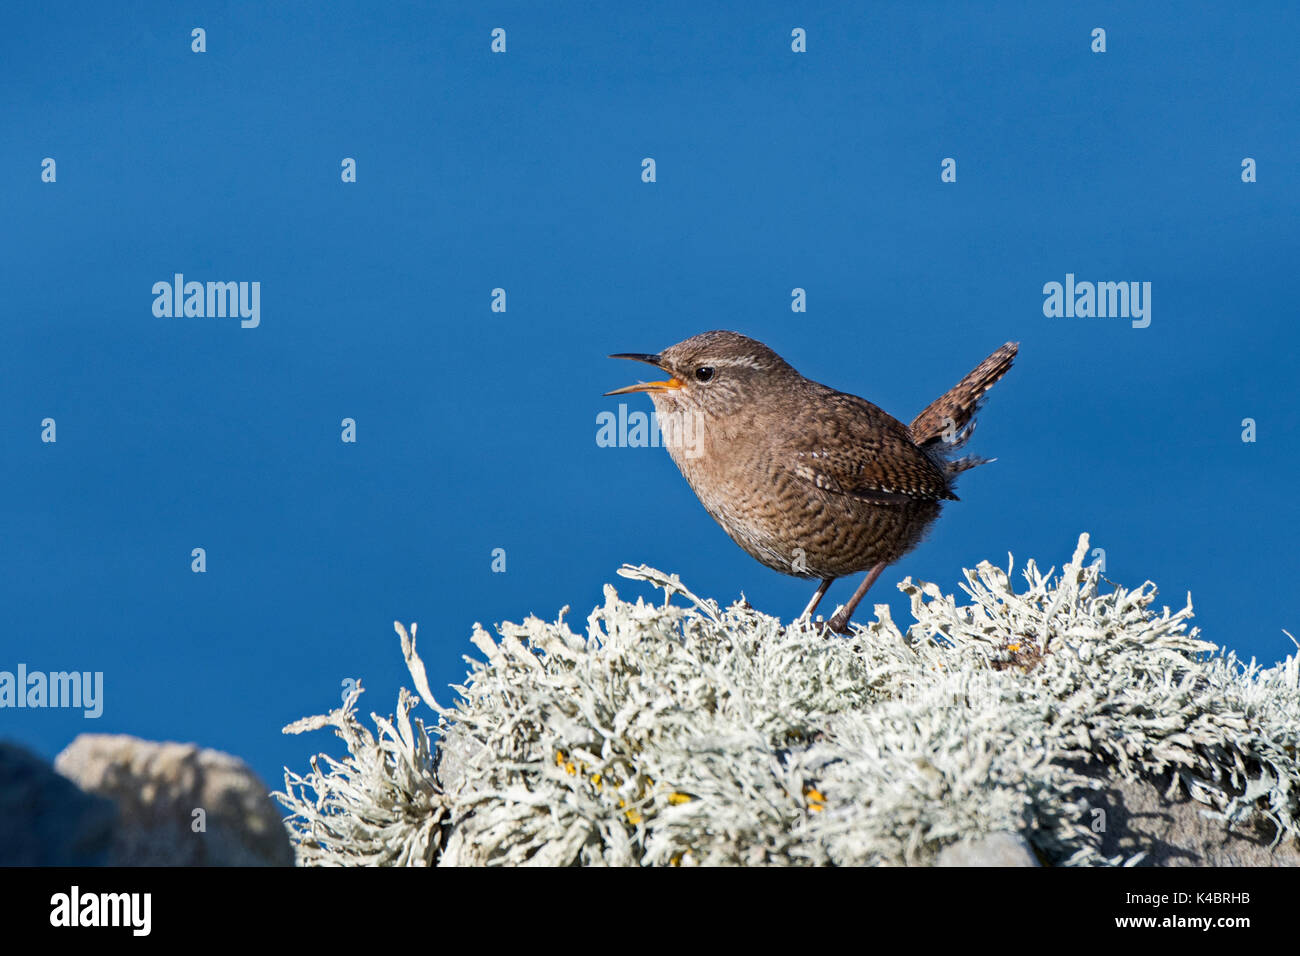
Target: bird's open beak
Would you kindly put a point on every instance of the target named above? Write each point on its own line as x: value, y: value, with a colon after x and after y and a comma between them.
x: 672, y: 383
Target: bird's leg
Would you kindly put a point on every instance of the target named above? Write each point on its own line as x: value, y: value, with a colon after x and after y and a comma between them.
x: 840, y: 621
x: 816, y: 599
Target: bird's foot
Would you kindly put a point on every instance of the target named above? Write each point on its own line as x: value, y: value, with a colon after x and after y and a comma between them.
x: 839, y: 622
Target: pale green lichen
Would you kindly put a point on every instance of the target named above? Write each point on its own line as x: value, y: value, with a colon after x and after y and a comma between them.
x: 689, y: 734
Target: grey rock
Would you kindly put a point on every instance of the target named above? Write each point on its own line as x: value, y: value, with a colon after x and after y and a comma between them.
x: 1137, y: 818
x: 996, y: 849
x: 45, y: 818
x: 1177, y: 831
x: 158, y: 787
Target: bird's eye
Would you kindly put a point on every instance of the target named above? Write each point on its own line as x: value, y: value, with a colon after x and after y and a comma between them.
x: 704, y: 373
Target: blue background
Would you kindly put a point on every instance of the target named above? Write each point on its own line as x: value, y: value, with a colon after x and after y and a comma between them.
x: 477, y: 430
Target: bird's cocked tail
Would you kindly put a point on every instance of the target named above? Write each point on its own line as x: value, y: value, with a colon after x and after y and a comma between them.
x: 949, y: 421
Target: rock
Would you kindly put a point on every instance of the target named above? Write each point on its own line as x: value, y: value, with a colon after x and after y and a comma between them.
x: 159, y: 789
x: 1137, y: 818
x: 45, y: 818
x: 996, y: 849
x: 1176, y: 832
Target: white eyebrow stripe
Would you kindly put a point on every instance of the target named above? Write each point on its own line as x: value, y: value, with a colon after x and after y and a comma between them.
x: 743, y: 362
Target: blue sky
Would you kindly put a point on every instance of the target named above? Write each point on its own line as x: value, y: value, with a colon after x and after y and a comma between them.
x: 476, y: 430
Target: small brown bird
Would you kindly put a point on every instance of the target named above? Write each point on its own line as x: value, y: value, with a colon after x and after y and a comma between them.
x: 809, y: 481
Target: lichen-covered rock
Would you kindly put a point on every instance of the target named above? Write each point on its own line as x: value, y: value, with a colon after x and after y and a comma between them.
x: 45, y: 818
x: 689, y: 734
x: 178, y: 804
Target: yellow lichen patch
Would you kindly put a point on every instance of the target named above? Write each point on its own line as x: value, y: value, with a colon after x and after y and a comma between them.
x: 633, y: 816
x: 1021, y: 653
x: 677, y: 799
x: 816, y: 799
x: 570, y: 767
